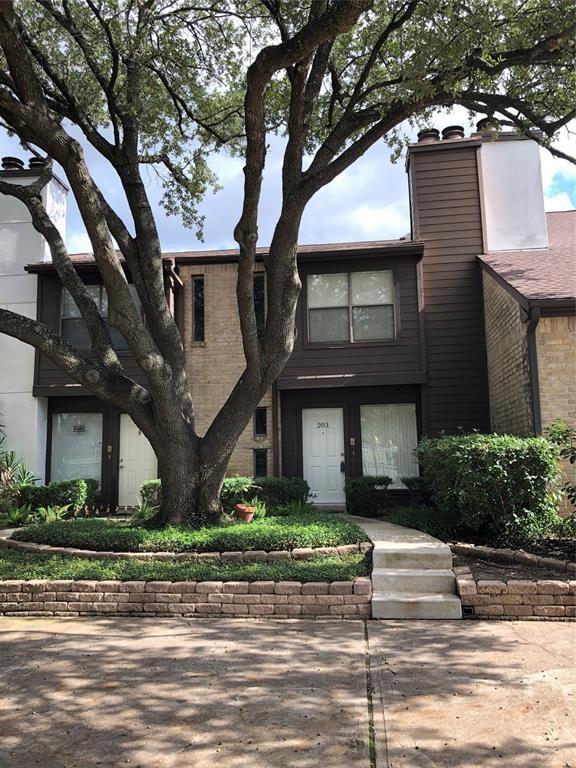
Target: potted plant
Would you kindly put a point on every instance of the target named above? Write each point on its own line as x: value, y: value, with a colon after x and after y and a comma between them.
x: 244, y: 512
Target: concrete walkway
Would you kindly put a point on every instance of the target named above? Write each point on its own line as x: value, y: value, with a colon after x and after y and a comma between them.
x: 412, y: 575
x: 171, y: 693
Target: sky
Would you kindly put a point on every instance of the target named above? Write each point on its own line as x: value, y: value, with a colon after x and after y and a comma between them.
x: 367, y: 202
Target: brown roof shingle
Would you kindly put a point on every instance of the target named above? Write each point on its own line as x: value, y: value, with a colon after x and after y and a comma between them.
x: 545, y: 276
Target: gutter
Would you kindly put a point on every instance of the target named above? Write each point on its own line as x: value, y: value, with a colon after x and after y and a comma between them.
x: 532, y: 320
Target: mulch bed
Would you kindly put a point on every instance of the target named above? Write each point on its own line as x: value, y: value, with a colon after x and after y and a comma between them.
x: 484, y: 569
x: 560, y: 549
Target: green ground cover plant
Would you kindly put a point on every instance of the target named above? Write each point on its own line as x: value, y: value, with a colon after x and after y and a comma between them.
x: 21, y: 565
x: 269, y: 533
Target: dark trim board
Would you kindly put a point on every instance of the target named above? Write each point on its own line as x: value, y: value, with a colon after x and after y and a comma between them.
x: 349, y: 399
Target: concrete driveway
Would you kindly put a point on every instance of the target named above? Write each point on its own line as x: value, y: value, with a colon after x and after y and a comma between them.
x: 172, y: 693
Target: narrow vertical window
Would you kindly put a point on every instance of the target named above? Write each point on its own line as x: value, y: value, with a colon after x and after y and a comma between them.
x: 260, y: 462
x: 260, y: 422
x: 260, y: 302
x: 198, y: 309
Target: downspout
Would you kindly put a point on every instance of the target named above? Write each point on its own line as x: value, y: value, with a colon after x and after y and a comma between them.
x: 532, y: 322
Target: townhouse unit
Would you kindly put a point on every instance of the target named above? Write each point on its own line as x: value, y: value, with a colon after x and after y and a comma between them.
x: 466, y: 323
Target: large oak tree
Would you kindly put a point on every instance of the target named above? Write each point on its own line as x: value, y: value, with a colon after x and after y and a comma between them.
x: 164, y: 83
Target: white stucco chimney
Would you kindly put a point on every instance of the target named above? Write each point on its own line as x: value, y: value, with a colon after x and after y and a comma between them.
x: 511, y: 193
x: 24, y: 416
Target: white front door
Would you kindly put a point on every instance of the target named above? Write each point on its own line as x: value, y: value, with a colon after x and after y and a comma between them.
x: 323, y: 453
x: 137, y: 462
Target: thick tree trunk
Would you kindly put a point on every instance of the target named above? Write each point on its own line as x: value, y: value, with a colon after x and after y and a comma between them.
x: 190, y: 487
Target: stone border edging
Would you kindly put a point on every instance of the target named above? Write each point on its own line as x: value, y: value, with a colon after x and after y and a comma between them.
x: 202, y: 599
x: 257, y: 555
x: 511, y: 556
x: 516, y: 599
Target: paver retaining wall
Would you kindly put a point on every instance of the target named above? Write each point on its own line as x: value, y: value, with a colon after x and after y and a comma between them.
x: 515, y: 599
x: 338, y: 599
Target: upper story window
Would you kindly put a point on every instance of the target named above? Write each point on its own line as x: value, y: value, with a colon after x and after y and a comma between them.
x: 351, y: 307
x: 72, y: 326
x: 198, y: 308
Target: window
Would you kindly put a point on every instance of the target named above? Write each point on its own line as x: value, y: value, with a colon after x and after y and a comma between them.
x: 76, y: 446
x: 389, y: 437
x: 198, y: 309
x: 260, y: 302
x: 351, y: 307
x: 260, y: 422
x: 72, y: 325
x: 260, y: 462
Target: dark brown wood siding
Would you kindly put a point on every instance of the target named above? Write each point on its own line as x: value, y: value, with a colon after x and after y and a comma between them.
x: 49, y: 379
x: 350, y: 399
x: 339, y: 365
x: 447, y: 218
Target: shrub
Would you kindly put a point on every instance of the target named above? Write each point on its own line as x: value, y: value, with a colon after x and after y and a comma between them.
x: 367, y: 496
x: 279, y: 491
x: 273, y: 491
x: 417, y: 489
x: 497, y: 484
x: 564, y: 436
x: 91, y: 491
x: 70, y: 493
x: 151, y: 493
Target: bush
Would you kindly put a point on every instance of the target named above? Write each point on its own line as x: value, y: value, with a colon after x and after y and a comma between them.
x: 71, y: 493
x: 151, y: 493
x: 91, y: 491
x: 367, y: 496
x: 497, y: 484
x: 273, y: 491
x: 280, y: 491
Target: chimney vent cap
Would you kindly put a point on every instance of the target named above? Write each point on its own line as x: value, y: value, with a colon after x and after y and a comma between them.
x: 453, y: 132
x: 428, y: 134
x: 36, y: 163
x: 12, y: 164
x: 488, y: 124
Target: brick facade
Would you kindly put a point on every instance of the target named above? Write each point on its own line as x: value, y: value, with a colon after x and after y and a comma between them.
x: 556, y: 352
x: 202, y: 599
x: 214, y: 366
x: 508, y: 362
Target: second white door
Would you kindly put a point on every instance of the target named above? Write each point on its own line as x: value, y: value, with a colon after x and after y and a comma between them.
x: 323, y: 453
x: 137, y: 462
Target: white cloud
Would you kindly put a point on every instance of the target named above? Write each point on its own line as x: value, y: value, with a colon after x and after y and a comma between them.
x: 371, y: 221
x: 559, y: 202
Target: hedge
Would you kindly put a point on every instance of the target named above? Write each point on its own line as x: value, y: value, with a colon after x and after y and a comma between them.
x: 498, y: 484
x: 273, y: 491
x: 76, y: 493
x: 367, y: 496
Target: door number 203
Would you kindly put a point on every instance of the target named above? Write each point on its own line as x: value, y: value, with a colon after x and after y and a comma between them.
x: 322, y: 425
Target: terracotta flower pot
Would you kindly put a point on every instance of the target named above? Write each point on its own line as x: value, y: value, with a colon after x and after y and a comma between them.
x: 244, y: 512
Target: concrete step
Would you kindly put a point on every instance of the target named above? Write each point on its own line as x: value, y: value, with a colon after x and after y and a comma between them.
x: 433, y: 555
x: 406, y: 605
x: 417, y: 580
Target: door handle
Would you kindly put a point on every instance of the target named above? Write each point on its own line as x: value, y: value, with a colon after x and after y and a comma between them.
x: 342, y: 466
